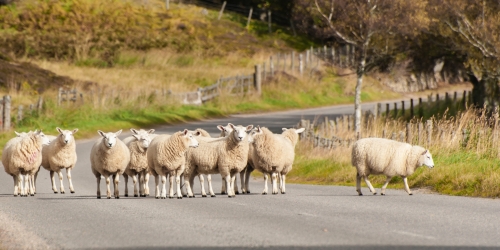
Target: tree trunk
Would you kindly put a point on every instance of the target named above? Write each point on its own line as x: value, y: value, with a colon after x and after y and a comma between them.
x: 357, y: 99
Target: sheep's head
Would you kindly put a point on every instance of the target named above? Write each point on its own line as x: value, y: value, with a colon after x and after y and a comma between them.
x: 66, y: 136
x: 109, y: 139
x: 143, y: 137
x: 426, y: 159
x: 255, y: 131
x: 225, y: 130
x: 239, y: 132
x: 192, y: 141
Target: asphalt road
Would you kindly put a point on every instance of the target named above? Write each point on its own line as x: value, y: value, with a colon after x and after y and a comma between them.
x: 306, y: 217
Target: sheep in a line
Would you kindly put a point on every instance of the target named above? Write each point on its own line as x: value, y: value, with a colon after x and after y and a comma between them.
x: 273, y: 154
x: 21, y: 157
x: 166, y: 156
x: 138, y: 143
x: 226, y: 156
x: 60, y: 154
x: 109, y: 156
x: 391, y: 158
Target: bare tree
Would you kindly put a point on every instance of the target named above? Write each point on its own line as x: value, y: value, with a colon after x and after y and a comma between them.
x: 364, y: 24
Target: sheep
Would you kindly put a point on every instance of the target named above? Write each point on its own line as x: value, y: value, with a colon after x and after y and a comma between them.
x: 273, y: 154
x: 109, y: 156
x: 166, y: 156
x: 21, y: 158
x: 390, y: 158
x: 60, y: 154
x: 225, y: 131
x: 138, y: 144
x: 226, y: 155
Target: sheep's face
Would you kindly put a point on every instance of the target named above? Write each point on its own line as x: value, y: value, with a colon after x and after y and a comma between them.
x: 142, y: 137
x: 426, y: 159
x: 110, y: 138
x: 240, y: 132
x: 255, y: 131
x: 45, y: 139
x: 225, y: 130
x: 192, y: 141
x: 66, y: 136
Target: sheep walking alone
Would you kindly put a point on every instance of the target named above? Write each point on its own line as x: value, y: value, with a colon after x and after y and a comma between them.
x: 138, y: 144
x: 109, y: 156
x: 391, y: 158
x: 21, y: 157
x: 60, y: 154
x: 166, y: 157
x: 227, y: 156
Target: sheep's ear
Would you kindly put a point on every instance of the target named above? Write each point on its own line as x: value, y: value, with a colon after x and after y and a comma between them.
x: 220, y: 127
x: 425, y: 152
x: 59, y: 130
x: 249, y: 127
x: 75, y: 130
x: 101, y: 133
x: 118, y: 132
x: 198, y: 133
x: 134, y: 131
x: 151, y: 131
x: 258, y: 128
x: 18, y: 134
x: 136, y: 137
x: 185, y: 132
x: 284, y: 129
x: 300, y: 130
x: 231, y: 125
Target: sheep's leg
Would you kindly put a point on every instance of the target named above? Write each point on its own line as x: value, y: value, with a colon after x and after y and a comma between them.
x: 242, y: 181
x: 146, y: 184
x: 170, y: 185
x: 358, y: 184
x: 163, y: 194
x: 98, y: 186
x: 234, y: 184
x: 157, y: 189
x: 31, y: 183
x: 248, y: 171
x: 274, y: 179
x: 16, y: 185
x: 202, y: 184
x: 178, y: 183
x: 228, y: 186
x: 141, y: 184
x: 283, y: 179
x: 407, y: 188
x: 116, y: 180
x: 61, y: 180
x: 53, y: 181
x: 187, y: 183
x: 265, y: 183
x: 125, y: 178
x: 108, y: 188
x: 136, y: 185
x: 387, y: 180
x: 369, y: 184
x: 210, y: 189
x: 68, y: 175
x: 223, y: 188
x: 24, y: 185
x: 34, y: 182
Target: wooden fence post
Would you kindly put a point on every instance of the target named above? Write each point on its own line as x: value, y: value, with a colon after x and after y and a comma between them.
x: 386, y: 112
x: 258, y: 80
x: 420, y: 108
x: 167, y: 4
x: 292, y: 64
x: 59, y: 97
x: 301, y: 65
x: 39, y: 104
x: 269, y: 21
x: 222, y: 10
x: 420, y: 131
x: 395, y: 110
x: 411, y: 108
x: 403, y: 109
x: 379, y: 109
x: 271, y: 65
x: 429, y: 132
x: 20, y: 113
x: 249, y: 17
x: 409, y: 137
x: 1, y: 114
x: 6, y: 112
x: 308, y: 55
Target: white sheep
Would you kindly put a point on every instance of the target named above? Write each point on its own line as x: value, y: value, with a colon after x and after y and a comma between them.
x: 273, y: 154
x: 138, y: 144
x: 60, y: 154
x: 109, y: 156
x: 390, y: 158
x: 225, y: 131
x: 203, y: 133
x: 227, y: 156
x: 21, y: 157
x: 166, y: 156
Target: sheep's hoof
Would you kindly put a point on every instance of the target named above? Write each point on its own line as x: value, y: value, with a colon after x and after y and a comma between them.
x: 374, y: 193
x: 223, y: 193
x: 109, y: 197
x: 179, y: 198
x: 71, y: 192
x: 382, y: 194
x: 410, y: 194
x: 360, y: 194
x: 55, y: 192
x: 62, y: 192
x: 143, y: 195
x: 126, y: 195
x: 170, y: 197
x: 212, y: 195
x: 117, y: 197
x: 15, y: 195
x: 184, y: 195
x: 204, y: 195
x: 98, y: 197
x: 264, y: 193
x: 192, y: 196
x: 136, y: 195
x: 32, y: 194
x: 237, y: 192
x: 230, y: 196
x: 248, y: 192
x: 157, y: 197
